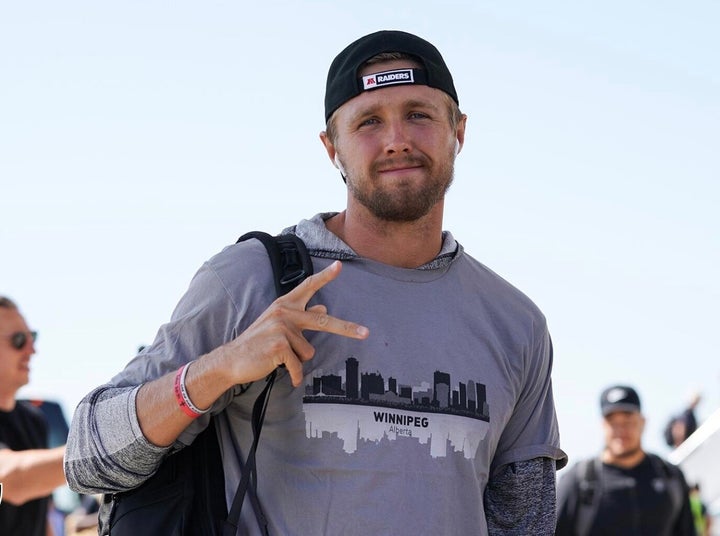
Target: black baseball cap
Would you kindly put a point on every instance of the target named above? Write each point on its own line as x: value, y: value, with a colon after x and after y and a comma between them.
x: 344, y: 84
x: 619, y: 398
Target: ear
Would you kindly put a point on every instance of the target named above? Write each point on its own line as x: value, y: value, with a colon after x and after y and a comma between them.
x: 329, y: 147
x: 332, y: 154
x: 460, y: 134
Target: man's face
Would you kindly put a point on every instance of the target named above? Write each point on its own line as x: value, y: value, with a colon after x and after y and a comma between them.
x: 623, y: 433
x: 397, y: 147
x: 14, y: 363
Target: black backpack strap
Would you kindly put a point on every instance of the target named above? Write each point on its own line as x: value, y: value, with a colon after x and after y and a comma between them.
x: 589, y: 492
x: 249, y: 472
x: 673, y: 480
x: 291, y: 264
x: 290, y: 260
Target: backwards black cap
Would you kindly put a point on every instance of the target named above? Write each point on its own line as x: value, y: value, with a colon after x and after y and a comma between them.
x: 343, y: 83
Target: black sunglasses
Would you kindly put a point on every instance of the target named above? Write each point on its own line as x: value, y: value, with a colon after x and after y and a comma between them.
x: 20, y: 339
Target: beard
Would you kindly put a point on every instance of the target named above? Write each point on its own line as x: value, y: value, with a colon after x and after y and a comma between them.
x: 627, y: 453
x: 409, y: 200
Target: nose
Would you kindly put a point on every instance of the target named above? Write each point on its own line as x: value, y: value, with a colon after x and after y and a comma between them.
x: 30, y: 343
x: 397, y: 139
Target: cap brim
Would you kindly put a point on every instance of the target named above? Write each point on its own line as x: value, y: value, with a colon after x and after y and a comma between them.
x: 612, y: 408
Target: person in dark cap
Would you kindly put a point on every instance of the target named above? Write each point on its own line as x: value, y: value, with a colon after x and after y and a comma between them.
x: 626, y: 490
x: 416, y: 393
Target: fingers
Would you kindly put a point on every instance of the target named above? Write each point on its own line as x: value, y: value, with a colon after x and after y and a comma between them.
x: 291, y: 353
x: 316, y: 318
x: 277, y: 336
x: 321, y: 321
x: 307, y: 289
x: 295, y: 371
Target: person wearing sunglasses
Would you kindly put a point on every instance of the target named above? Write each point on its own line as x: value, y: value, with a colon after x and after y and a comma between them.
x: 29, y: 471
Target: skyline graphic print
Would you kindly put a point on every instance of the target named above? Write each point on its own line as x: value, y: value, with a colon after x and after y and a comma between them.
x: 357, y: 406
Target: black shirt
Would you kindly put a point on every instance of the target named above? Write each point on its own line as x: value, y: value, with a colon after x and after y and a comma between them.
x: 23, y: 428
x: 631, y: 502
x: 634, y: 501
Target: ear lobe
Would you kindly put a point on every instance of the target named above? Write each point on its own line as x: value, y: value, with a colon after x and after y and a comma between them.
x: 457, y: 147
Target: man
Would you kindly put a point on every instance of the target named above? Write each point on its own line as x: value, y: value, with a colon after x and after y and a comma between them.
x: 416, y: 395
x: 626, y: 491
x: 29, y: 471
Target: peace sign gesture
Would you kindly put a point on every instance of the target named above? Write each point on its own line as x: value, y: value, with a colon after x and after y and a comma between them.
x: 276, y: 337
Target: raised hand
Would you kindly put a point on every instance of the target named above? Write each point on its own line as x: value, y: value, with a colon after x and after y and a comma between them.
x: 276, y: 337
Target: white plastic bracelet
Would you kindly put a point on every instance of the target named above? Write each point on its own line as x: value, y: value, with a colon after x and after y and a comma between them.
x: 182, y: 396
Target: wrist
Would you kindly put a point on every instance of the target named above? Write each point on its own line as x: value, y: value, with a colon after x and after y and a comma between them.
x: 182, y: 396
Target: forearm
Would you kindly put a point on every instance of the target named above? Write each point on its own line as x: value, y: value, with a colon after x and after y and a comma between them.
x: 159, y: 414
x: 119, y: 435
x: 253, y: 355
x: 30, y: 474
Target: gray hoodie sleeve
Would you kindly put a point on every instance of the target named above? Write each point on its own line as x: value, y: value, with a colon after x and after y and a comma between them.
x: 106, y: 459
x: 520, y: 499
x: 106, y: 449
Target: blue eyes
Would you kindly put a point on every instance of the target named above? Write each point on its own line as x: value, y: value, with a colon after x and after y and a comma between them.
x: 411, y: 116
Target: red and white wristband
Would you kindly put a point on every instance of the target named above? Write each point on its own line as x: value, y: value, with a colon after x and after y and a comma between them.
x: 181, y: 395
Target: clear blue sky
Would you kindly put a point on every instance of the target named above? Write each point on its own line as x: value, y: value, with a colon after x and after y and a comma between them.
x: 139, y: 138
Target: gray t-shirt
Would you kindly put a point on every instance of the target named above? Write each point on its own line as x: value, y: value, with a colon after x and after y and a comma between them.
x: 399, y: 433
